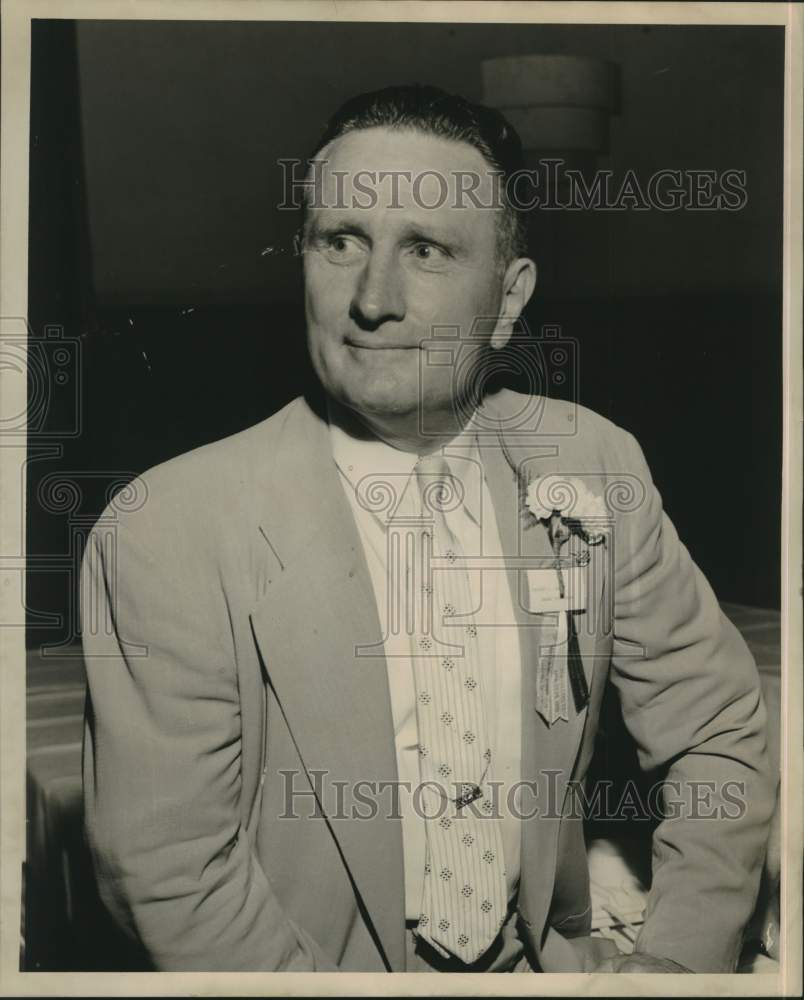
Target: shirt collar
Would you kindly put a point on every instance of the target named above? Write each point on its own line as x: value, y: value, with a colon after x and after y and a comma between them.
x: 358, y: 453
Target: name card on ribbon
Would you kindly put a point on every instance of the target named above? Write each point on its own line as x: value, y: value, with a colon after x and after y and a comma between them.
x: 552, y: 683
x: 543, y: 592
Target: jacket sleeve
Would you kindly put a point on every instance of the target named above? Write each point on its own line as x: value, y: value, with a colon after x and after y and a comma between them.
x: 691, y: 698
x: 162, y: 775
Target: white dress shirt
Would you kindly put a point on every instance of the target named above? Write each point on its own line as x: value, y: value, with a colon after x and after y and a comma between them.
x: 474, y: 524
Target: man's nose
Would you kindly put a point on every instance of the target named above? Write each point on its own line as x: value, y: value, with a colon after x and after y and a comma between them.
x: 379, y: 296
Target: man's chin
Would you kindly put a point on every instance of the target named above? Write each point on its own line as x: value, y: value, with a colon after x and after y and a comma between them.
x: 376, y: 401
x: 377, y: 392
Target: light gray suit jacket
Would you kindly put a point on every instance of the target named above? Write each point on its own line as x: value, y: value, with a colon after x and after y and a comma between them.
x: 220, y: 618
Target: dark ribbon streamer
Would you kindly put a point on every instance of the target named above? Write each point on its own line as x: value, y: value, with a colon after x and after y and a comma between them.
x: 577, y: 677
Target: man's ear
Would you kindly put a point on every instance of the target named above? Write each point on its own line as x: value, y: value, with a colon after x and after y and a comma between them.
x: 519, y: 281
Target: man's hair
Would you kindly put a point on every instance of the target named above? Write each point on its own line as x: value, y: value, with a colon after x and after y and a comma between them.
x: 435, y: 112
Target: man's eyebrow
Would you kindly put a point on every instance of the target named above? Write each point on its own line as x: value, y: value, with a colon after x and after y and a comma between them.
x: 330, y: 228
x: 416, y: 233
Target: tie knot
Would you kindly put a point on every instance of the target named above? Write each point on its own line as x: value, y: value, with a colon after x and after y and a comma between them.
x: 432, y: 465
x: 439, y: 489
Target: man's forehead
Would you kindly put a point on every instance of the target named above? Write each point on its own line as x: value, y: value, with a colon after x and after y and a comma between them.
x: 405, y: 177
x: 405, y: 163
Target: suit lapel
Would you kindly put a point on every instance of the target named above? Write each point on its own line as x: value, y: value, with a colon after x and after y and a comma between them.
x: 548, y: 753
x: 318, y: 605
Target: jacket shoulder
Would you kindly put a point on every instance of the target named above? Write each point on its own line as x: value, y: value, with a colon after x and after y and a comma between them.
x: 575, y: 428
x: 199, y: 487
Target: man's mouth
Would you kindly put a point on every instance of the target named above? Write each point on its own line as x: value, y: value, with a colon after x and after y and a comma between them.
x: 368, y: 344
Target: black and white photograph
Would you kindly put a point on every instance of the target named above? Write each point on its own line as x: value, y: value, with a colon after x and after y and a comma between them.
x: 401, y: 487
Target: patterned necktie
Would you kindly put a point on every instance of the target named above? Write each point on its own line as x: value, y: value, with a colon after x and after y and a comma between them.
x: 464, y: 894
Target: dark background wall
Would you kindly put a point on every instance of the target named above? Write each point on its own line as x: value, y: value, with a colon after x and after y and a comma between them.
x: 154, y: 181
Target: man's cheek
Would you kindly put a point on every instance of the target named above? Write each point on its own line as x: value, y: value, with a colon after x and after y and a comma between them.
x: 329, y: 300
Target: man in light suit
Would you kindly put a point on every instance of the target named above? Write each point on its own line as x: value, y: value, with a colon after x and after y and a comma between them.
x: 252, y: 703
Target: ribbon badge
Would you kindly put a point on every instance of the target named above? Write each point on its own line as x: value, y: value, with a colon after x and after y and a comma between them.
x: 567, y: 508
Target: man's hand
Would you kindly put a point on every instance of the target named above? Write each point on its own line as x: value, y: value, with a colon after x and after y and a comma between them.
x: 640, y: 962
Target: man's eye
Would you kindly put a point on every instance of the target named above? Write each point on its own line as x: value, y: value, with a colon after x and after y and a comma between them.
x: 429, y: 253
x: 342, y: 248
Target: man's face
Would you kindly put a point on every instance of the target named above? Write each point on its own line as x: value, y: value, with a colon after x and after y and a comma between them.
x: 379, y: 278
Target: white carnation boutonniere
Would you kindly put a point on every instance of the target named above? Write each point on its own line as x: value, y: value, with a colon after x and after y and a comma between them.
x: 568, y: 507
